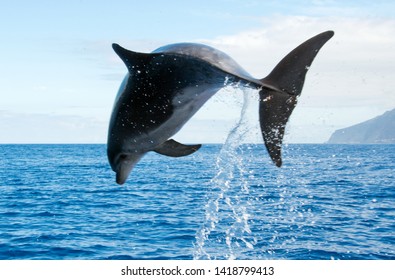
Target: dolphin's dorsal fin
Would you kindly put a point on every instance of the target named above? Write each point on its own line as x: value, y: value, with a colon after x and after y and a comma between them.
x: 172, y: 148
x: 131, y: 59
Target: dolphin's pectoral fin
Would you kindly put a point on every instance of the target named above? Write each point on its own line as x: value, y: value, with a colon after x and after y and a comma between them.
x: 288, y: 77
x: 172, y: 148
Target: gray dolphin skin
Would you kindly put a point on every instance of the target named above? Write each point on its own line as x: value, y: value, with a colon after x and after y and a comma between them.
x: 164, y: 89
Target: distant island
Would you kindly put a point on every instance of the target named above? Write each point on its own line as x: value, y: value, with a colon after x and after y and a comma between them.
x: 379, y: 130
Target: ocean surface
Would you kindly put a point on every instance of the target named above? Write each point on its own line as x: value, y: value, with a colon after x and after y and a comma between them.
x: 326, y: 202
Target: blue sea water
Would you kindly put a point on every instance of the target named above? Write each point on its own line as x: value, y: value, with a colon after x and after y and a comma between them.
x: 326, y: 202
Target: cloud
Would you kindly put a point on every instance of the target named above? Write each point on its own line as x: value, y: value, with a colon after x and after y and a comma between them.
x: 351, y: 80
x: 355, y: 68
x: 48, y: 128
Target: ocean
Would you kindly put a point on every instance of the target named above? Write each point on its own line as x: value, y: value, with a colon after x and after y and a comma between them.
x: 326, y: 202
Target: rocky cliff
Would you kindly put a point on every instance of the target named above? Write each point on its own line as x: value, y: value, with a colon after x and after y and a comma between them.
x: 379, y: 130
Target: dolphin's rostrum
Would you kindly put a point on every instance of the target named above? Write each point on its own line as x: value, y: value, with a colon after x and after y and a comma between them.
x: 164, y: 89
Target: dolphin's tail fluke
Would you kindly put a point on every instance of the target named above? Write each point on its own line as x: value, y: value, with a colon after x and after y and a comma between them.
x: 288, y: 76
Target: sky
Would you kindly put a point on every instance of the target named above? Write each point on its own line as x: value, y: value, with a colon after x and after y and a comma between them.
x: 59, y: 75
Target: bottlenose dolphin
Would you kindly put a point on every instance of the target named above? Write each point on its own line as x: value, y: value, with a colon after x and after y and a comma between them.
x: 165, y: 88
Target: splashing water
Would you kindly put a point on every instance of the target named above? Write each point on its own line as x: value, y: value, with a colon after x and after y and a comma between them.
x: 226, y: 230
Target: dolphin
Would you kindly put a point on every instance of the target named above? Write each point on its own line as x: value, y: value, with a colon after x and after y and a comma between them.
x: 165, y: 88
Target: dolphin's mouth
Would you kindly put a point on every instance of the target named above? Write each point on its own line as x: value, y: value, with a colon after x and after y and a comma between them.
x: 120, y: 178
x: 125, y: 167
x: 123, y: 171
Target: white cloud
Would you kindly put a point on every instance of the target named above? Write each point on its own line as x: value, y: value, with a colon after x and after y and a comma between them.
x: 45, y: 128
x: 351, y: 80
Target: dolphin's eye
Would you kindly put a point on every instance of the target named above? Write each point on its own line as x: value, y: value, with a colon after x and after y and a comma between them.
x: 122, y: 156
